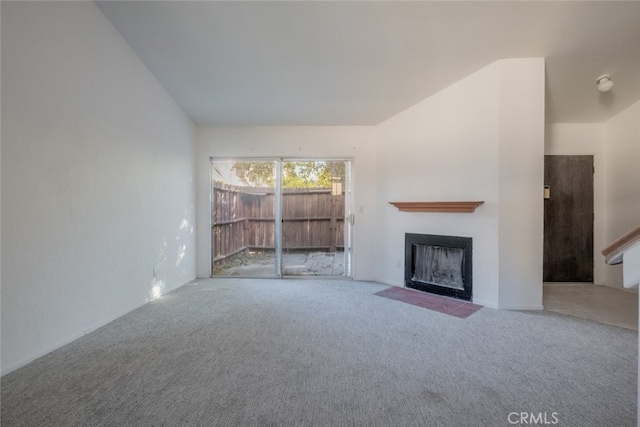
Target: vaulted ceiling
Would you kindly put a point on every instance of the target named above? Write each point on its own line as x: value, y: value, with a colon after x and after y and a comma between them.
x: 361, y: 62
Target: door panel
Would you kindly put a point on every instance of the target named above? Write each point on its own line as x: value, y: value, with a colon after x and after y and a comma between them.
x: 243, y: 235
x: 313, y: 218
x: 568, y: 219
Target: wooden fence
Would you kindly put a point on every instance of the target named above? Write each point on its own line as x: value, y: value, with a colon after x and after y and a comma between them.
x: 243, y: 219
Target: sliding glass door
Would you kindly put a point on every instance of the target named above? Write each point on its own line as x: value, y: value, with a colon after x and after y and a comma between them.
x: 273, y: 218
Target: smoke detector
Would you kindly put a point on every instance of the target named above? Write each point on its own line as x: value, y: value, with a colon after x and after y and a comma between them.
x: 604, y: 83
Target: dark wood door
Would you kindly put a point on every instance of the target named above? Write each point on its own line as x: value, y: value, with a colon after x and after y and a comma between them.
x: 568, y: 219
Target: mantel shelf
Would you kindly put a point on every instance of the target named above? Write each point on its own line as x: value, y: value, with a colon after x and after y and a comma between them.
x: 464, y: 207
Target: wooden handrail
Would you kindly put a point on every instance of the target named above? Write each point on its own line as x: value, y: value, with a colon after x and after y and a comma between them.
x: 613, y: 253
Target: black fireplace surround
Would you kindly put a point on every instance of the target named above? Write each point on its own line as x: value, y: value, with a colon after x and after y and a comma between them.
x: 459, y: 247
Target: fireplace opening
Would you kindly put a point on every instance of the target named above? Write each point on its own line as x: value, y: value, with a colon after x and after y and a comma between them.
x: 439, y: 264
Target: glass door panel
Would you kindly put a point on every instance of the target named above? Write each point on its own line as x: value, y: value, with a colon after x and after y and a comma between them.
x: 313, y: 217
x: 243, y: 235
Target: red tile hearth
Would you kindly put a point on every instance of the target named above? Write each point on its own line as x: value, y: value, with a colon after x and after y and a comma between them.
x: 450, y: 306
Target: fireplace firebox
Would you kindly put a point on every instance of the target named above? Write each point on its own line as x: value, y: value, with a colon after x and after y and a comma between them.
x: 439, y: 264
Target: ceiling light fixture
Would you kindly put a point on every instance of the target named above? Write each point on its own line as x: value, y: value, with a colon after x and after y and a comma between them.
x: 604, y: 83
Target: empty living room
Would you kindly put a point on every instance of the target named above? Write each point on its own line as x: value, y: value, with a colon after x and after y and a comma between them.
x: 319, y: 213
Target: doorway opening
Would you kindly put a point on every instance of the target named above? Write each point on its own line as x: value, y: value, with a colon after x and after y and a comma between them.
x: 281, y: 217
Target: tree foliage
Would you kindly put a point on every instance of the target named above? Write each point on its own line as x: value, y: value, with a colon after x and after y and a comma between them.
x: 294, y: 174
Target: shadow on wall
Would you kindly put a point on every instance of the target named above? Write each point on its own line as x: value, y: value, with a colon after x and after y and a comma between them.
x: 172, y: 262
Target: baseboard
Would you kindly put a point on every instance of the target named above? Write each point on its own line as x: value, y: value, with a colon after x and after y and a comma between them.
x: 484, y: 303
x: 389, y: 282
x: 363, y: 279
x: 536, y: 307
x: 39, y: 354
x: 68, y: 340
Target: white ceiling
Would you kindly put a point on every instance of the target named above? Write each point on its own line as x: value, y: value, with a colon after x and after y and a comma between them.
x: 359, y: 63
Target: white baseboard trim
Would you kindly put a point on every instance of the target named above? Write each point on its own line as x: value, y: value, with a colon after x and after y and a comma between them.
x: 363, y: 279
x: 521, y: 307
x: 389, y: 282
x: 68, y: 340
x: 484, y: 303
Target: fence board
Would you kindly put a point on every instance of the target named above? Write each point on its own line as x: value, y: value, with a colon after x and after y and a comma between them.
x: 244, y: 217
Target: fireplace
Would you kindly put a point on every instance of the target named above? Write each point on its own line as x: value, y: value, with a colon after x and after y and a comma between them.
x: 439, y: 264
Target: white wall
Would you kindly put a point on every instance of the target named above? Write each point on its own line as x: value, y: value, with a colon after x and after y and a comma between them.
x: 463, y: 144
x: 97, y: 179
x: 480, y: 139
x: 622, y: 180
x: 353, y: 142
x: 577, y: 139
x: 521, y: 181
x: 444, y: 148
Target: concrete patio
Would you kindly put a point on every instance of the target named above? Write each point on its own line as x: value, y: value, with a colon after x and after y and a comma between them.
x: 293, y: 264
